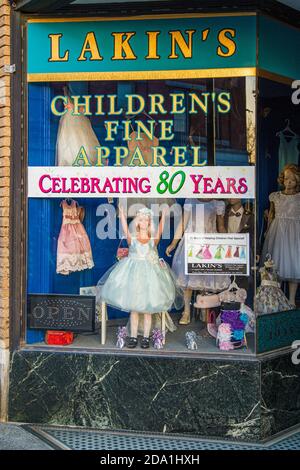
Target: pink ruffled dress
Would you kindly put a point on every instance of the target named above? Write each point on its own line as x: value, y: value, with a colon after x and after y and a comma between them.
x: 74, y: 251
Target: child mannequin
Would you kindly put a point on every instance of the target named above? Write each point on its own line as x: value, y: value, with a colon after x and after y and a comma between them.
x: 283, y: 234
x: 141, y: 282
x: 209, y: 219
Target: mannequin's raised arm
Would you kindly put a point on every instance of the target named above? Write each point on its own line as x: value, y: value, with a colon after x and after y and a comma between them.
x: 179, y: 232
x: 124, y: 224
x: 160, y: 227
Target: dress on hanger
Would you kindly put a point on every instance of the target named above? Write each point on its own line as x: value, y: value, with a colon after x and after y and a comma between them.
x: 229, y: 252
x: 141, y: 282
x: 282, y: 241
x: 207, y: 253
x: 73, y: 246
x: 288, y: 150
x: 75, y: 132
x: 219, y: 252
x: 237, y: 252
x: 242, y: 254
x: 202, y: 219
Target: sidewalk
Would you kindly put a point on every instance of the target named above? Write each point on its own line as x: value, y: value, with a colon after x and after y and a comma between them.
x: 13, y: 437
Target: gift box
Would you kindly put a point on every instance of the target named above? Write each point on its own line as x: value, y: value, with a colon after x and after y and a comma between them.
x: 59, y: 338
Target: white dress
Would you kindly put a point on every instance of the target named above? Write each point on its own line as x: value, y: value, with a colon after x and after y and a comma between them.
x: 75, y: 132
x: 283, y: 237
x: 202, y: 219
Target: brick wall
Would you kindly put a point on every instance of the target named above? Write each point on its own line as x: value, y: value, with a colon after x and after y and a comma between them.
x: 5, y: 153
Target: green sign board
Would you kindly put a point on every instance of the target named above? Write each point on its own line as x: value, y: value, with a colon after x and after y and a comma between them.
x: 150, y: 48
x: 277, y: 330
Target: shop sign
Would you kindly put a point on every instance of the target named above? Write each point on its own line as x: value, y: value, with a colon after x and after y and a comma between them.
x: 277, y: 330
x: 179, y: 45
x: 205, y: 182
x: 61, y: 312
x: 217, y: 253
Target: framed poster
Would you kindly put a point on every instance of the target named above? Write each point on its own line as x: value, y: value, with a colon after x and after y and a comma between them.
x: 217, y: 253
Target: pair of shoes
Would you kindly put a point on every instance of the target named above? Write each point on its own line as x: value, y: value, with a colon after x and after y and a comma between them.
x: 185, y: 319
x: 132, y: 342
x: 145, y: 343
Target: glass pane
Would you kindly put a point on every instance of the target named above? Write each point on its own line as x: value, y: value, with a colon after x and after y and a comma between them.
x: 143, y: 276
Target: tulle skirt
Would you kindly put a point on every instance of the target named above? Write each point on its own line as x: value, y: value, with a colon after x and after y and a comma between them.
x: 140, y: 285
x: 270, y: 299
x: 283, y: 244
x: 75, y: 132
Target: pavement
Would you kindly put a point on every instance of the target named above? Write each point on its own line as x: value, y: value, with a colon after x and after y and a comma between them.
x: 13, y: 437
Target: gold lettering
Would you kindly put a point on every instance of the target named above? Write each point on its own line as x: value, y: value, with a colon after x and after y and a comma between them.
x: 90, y: 45
x: 186, y: 47
x: 122, y: 48
x: 55, y: 49
x: 152, y: 45
x: 226, y: 42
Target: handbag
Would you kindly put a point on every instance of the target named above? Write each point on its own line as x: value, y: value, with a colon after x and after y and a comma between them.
x: 207, y: 301
x: 122, y: 252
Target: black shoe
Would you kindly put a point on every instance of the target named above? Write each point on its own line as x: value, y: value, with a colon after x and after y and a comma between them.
x: 132, y: 342
x: 145, y: 343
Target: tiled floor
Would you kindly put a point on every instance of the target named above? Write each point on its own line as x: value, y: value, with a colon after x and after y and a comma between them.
x: 78, y: 439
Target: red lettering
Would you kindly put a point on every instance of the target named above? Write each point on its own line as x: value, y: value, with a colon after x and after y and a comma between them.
x: 207, y: 186
x: 85, y: 185
x: 231, y: 182
x: 243, y: 187
x: 219, y: 187
x: 41, y: 181
x: 95, y: 184
x: 56, y: 185
x: 74, y: 185
x: 196, y: 180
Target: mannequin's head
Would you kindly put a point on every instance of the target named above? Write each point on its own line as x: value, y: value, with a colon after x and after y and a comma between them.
x: 234, y: 202
x: 289, y: 178
x: 143, y: 220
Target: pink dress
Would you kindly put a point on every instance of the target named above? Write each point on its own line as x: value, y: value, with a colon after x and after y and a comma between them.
x: 73, y: 247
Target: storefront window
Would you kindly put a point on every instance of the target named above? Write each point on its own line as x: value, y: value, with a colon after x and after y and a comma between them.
x: 278, y: 203
x: 178, y: 290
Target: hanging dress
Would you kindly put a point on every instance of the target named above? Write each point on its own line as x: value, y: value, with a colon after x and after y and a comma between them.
x: 288, y: 152
x: 73, y: 247
x: 75, y: 132
x: 219, y: 252
x: 229, y: 252
x: 243, y: 253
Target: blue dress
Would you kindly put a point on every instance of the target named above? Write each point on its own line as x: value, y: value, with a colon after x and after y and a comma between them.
x: 140, y: 282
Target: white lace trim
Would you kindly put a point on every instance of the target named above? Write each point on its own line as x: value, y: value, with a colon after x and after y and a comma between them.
x: 67, y: 263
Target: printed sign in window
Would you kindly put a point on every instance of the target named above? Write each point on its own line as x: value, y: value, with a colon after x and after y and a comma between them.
x: 217, y: 254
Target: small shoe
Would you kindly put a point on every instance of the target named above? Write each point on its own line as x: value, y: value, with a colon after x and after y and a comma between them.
x: 132, y: 342
x: 145, y: 343
x: 185, y: 319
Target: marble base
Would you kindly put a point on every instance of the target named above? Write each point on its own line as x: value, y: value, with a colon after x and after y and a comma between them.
x: 235, y: 399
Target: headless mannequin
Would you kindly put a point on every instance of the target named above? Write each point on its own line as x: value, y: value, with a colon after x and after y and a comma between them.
x: 186, y: 315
